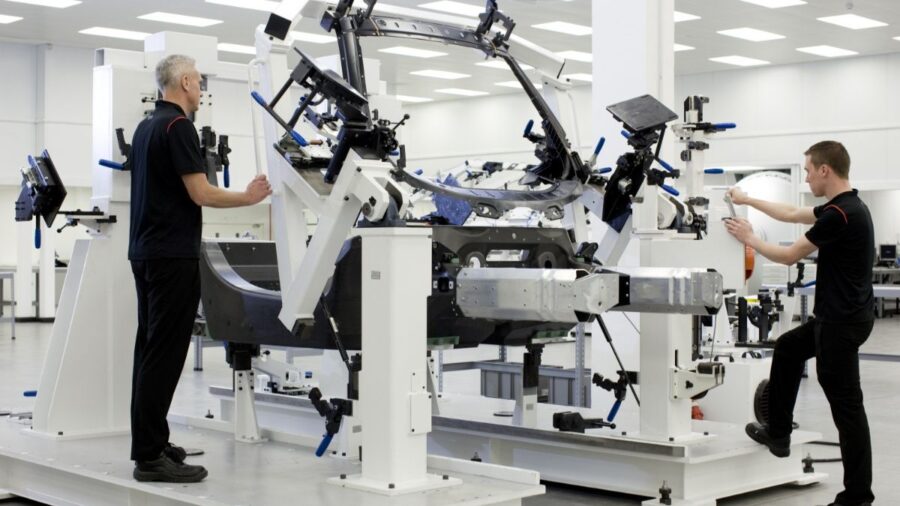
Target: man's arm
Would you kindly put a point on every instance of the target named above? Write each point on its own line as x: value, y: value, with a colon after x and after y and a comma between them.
x: 207, y: 195
x: 779, y: 211
x: 787, y: 255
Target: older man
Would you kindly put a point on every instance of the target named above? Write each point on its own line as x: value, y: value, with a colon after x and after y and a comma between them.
x: 168, y: 188
x: 842, y: 231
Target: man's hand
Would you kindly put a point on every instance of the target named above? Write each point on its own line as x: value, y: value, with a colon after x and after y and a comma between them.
x: 741, y: 229
x: 738, y: 196
x: 258, y: 189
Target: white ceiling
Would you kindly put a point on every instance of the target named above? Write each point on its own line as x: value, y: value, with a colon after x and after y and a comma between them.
x: 798, y: 24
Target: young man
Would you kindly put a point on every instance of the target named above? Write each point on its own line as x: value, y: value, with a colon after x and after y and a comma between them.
x: 168, y: 188
x: 844, y: 313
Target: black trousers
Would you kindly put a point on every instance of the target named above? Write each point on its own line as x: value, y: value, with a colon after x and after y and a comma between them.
x: 836, y: 349
x: 168, y: 292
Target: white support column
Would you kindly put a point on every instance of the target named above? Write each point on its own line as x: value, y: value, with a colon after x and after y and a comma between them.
x: 633, y: 41
x: 47, y: 288
x: 24, y: 295
x: 394, y: 402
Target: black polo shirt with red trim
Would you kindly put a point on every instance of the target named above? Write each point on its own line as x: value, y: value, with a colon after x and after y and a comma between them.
x: 845, y: 236
x: 165, y: 222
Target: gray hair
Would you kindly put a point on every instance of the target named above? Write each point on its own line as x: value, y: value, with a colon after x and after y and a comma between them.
x: 170, y: 69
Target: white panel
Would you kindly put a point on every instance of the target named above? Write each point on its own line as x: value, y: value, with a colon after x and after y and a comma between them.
x: 70, y: 148
x: 66, y: 84
x: 16, y: 143
x: 19, y: 92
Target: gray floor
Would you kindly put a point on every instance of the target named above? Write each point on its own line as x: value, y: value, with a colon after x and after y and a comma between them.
x: 20, y: 363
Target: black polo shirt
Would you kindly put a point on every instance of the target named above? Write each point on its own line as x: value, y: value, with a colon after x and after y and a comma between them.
x: 165, y: 222
x: 844, y: 234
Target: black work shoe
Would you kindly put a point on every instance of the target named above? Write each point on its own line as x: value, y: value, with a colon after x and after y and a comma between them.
x: 842, y: 504
x: 163, y: 468
x: 176, y: 453
x: 780, y: 447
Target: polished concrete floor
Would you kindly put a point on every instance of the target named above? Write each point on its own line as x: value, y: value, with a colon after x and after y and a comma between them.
x: 21, y: 359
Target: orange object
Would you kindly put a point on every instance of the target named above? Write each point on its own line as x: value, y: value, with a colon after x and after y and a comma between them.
x: 749, y: 261
x: 696, y: 412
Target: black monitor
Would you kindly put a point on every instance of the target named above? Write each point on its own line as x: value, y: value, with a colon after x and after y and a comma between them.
x: 887, y: 252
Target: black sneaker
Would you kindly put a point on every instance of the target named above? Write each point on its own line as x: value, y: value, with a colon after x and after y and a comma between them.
x: 163, y: 468
x: 780, y: 447
x: 176, y: 453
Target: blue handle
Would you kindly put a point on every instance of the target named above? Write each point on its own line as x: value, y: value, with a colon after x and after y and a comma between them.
x: 669, y: 189
x: 613, y: 411
x: 30, y: 393
x: 809, y: 284
x: 625, y: 134
x: 604, y: 170
x: 715, y: 170
x: 111, y: 164
x: 665, y: 165
x: 226, y: 178
x: 599, y: 147
x: 37, y: 234
x: 528, y: 127
x: 395, y: 152
x: 299, y: 139
x: 323, y: 446
x: 259, y: 99
x: 724, y: 126
x: 418, y: 172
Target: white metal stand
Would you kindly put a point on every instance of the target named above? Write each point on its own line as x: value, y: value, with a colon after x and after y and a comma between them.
x: 246, y: 429
x: 394, y: 402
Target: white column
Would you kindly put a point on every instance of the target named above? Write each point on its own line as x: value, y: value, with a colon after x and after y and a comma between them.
x: 47, y: 289
x: 24, y: 278
x: 632, y: 50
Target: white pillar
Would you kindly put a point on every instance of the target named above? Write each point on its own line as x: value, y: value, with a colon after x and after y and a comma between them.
x: 24, y: 278
x: 632, y: 50
x: 47, y: 263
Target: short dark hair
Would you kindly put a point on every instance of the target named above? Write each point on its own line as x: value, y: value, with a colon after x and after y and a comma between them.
x: 833, y: 154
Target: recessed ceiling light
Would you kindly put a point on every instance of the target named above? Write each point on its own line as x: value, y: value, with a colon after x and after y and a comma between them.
x: 576, y: 56
x: 852, y: 21
x: 235, y: 48
x: 180, y: 19
x: 114, y: 33
x: 740, y: 61
x: 775, y: 4
x: 579, y: 77
x: 516, y: 84
x: 896, y: 38
x: 257, y: 5
x: 681, y: 47
x: 411, y: 51
x: 412, y: 100
x: 683, y: 16
x: 439, y: 74
x: 312, y: 38
x: 751, y: 34
x: 827, y: 51
x: 500, y: 64
x: 461, y: 92
x: 58, y: 4
x: 564, y: 27
x: 455, y: 8
x: 5, y: 20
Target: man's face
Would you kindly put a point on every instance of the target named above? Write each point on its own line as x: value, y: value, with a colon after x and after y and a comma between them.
x: 815, y: 177
x: 191, y: 84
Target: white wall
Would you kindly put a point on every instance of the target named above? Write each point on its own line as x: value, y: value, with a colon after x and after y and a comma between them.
x: 885, y: 208
x: 782, y: 110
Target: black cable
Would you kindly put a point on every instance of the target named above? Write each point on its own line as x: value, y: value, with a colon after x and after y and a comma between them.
x: 621, y: 367
x: 824, y: 443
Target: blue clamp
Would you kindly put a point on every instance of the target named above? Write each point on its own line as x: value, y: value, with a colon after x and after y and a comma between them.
x: 259, y: 99
x: 323, y: 446
x: 419, y: 172
x: 665, y: 165
x: 299, y: 139
x: 395, y: 152
x: 613, y: 411
x: 724, y: 126
x: 30, y: 393
x: 604, y: 170
x: 599, y: 146
x: 528, y: 127
x: 670, y: 189
x: 715, y: 170
x: 625, y: 134
x: 111, y: 164
x: 226, y: 178
x: 37, y: 233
